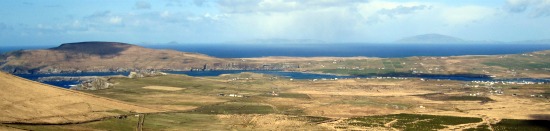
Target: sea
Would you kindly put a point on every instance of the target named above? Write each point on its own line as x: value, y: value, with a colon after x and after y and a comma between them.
x: 384, y: 50
x: 226, y: 50
x: 352, y: 49
x: 68, y: 84
x: 282, y: 74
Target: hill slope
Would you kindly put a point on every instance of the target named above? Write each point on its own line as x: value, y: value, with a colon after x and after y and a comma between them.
x: 25, y: 101
x: 101, y: 57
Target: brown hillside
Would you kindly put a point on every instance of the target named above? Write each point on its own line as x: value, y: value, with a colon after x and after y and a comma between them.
x: 25, y: 101
x: 102, y: 56
x: 94, y: 48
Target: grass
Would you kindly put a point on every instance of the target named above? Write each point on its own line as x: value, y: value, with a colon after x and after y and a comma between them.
x: 398, y: 66
x: 381, y: 102
x: 348, y: 71
x: 416, y: 122
x: 290, y: 95
x: 205, y: 90
x: 311, y: 119
x: 235, y: 108
x: 519, y: 63
x: 365, y: 72
x: 294, y: 95
x: 412, y: 122
x: 291, y: 111
x: 370, y: 121
x: 522, y: 125
x: 182, y: 121
x: 483, y: 127
x: 113, y: 124
x: 443, y: 97
x: 468, y: 98
x: 376, y: 103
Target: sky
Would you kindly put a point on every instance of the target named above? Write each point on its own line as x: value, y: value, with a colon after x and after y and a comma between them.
x: 52, y: 22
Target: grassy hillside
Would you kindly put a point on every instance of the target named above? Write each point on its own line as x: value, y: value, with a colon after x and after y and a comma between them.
x: 106, y: 56
x: 25, y: 101
x: 249, y: 101
x: 528, y: 65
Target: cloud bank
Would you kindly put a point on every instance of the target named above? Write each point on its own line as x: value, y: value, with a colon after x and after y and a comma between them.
x: 333, y: 21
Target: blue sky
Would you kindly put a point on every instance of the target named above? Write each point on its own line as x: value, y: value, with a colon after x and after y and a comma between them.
x: 41, y: 22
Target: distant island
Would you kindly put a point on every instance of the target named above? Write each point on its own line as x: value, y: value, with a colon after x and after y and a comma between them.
x: 434, y: 38
x: 431, y: 39
x: 543, y: 41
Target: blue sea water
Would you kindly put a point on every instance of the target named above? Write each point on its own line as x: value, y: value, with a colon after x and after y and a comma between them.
x: 310, y: 50
x: 387, y: 50
x: 294, y: 75
x: 305, y: 75
x: 67, y: 84
x: 4, y: 49
x: 353, y: 49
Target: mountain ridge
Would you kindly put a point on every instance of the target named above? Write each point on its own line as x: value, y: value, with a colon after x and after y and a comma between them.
x: 107, y: 57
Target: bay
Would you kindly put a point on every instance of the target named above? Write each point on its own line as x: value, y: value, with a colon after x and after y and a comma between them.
x: 284, y: 74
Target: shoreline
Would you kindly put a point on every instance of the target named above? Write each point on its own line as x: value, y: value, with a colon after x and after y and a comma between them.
x: 404, y: 75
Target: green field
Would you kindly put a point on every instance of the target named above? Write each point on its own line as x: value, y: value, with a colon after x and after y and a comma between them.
x: 290, y: 95
x: 355, y: 72
x: 522, y: 125
x: 412, y: 122
x: 520, y: 62
x: 482, y: 127
x: 443, y: 97
x: 124, y: 124
x: 183, y: 121
x: 210, y: 111
x: 235, y: 108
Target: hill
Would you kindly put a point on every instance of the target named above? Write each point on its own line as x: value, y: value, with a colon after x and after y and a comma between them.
x: 431, y: 38
x: 94, y: 48
x: 542, y: 41
x: 106, y: 56
x: 25, y: 101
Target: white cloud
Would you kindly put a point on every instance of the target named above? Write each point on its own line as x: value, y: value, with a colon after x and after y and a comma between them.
x: 115, y: 20
x: 466, y: 14
x: 269, y: 20
x: 142, y: 5
x: 380, y: 11
x: 535, y: 8
x: 274, y: 6
x: 215, y: 16
x: 165, y: 14
x: 326, y: 20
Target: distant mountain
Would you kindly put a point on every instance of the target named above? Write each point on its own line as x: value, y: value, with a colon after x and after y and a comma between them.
x: 431, y: 38
x: 94, y: 48
x: 442, y: 39
x: 543, y: 41
x: 107, y: 56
